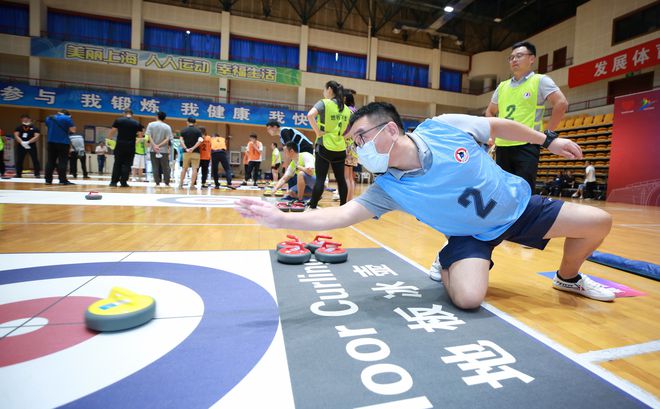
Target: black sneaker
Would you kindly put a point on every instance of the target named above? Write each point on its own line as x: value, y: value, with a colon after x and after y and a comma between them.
x: 67, y: 183
x: 124, y: 185
x: 113, y: 184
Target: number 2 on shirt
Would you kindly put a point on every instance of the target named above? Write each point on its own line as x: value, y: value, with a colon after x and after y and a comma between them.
x: 464, y: 200
x: 510, y: 109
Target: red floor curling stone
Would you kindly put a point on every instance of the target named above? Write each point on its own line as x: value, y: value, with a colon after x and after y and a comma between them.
x: 123, y: 309
x: 293, y: 253
x: 331, y: 252
x: 317, y: 242
x: 297, y: 207
x: 283, y: 206
x: 93, y: 196
x: 291, y: 238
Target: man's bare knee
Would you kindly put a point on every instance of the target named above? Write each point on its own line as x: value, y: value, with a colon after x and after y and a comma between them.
x: 467, y: 300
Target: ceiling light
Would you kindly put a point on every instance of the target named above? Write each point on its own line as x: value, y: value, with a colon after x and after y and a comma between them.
x: 449, y: 9
x: 187, y: 31
x: 497, y: 20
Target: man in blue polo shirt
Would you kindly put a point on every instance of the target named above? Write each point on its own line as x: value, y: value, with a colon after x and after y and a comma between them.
x: 60, y: 126
x: 441, y: 174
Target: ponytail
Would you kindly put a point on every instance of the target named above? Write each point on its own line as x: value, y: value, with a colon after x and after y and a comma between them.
x: 338, y: 90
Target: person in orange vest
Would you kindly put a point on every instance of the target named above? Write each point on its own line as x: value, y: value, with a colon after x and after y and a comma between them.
x: 254, y: 149
x: 205, y: 156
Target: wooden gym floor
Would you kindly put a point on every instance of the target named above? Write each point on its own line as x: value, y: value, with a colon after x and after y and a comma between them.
x: 578, y: 324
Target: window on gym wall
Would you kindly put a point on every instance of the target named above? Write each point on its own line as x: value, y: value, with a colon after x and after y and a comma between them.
x: 15, y: 19
x: 451, y: 80
x: 637, y: 23
x: 398, y: 72
x: 68, y: 26
x: 336, y: 63
x: 263, y: 52
x: 181, y: 41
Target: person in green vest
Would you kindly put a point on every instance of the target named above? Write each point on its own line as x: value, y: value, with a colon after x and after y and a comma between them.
x: 522, y: 98
x: 139, y: 160
x: 301, y: 165
x: 275, y: 162
x: 329, y: 118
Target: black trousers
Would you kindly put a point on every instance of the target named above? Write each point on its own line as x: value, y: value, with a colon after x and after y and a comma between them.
x: 124, y: 153
x: 58, y: 153
x: 589, y: 189
x: 522, y: 160
x: 253, y: 169
x: 20, y: 158
x: 204, y: 165
x: 220, y: 157
x: 2, y: 161
x: 73, y: 164
x: 324, y: 159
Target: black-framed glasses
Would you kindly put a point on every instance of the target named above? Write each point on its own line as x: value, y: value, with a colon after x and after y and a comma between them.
x: 517, y: 56
x: 360, y: 135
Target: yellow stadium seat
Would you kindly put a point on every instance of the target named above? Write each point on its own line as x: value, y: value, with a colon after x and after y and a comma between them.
x: 578, y: 121
x: 561, y: 124
x: 569, y: 123
x: 588, y: 120
x: 608, y: 118
x: 598, y: 119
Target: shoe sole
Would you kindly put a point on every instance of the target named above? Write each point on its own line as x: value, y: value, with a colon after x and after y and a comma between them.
x: 570, y: 290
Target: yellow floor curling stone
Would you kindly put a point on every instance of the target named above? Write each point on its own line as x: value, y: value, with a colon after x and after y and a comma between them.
x: 123, y: 309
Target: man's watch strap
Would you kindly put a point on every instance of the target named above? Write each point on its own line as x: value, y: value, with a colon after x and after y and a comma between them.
x: 549, y: 137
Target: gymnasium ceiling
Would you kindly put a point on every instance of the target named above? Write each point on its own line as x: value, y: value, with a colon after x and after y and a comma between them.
x: 471, y: 28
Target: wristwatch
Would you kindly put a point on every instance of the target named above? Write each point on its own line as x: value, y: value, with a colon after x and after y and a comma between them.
x: 549, y: 137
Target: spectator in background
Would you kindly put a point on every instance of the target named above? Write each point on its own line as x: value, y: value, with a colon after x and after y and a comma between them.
x: 301, y: 165
x: 2, y: 156
x: 521, y: 98
x: 275, y: 162
x: 351, y: 155
x: 246, y: 166
x: 159, y: 136
x: 101, y: 151
x: 586, y: 189
x: 60, y: 126
x: 219, y: 156
x: 26, y: 135
x: 127, y: 130
x: 139, y: 159
x: 191, y: 138
x: 254, y: 149
x: 74, y: 157
x: 205, y: 155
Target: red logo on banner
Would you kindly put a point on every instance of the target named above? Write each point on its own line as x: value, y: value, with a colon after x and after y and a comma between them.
x: 629, y: 60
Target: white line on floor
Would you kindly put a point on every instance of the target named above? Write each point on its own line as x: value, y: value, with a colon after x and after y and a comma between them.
x: 132, y: 224
x: 626, y: 386
x: 612, y: 354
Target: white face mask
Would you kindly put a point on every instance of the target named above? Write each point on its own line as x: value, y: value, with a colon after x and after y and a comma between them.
x: 371, y: 159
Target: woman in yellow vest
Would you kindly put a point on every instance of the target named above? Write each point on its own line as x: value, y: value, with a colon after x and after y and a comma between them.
x: 329, y: 119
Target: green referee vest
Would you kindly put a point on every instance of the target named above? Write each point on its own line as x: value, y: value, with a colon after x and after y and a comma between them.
x: 139, y: 148
x: 520, y: 104
x: 333, y: 125
x: 275, y: 159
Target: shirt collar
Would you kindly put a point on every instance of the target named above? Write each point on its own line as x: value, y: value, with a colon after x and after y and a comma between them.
x: 523, y: 79
x: 425, y: 158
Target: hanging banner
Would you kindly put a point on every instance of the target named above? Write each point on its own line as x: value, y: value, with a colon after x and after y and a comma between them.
x: 632, y: 59
x: 149, y: 60
x: 634, y: 175
x: 115, y: 102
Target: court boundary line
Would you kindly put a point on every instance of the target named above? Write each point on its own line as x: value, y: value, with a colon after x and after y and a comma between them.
x: 625, y: 386
x: 611, y: 354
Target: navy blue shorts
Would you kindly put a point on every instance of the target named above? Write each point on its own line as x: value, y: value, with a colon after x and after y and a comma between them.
x: 539, y: 215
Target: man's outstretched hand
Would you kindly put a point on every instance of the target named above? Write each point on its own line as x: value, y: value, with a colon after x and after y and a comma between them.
x: 262, y: 212
x: 566, y: 148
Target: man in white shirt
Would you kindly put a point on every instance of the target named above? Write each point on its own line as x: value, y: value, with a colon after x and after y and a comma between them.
x: 589, y: 180
x: 302, y: 166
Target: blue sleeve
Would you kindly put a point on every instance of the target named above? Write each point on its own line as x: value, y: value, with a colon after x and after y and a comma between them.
x: 69, y: 122
x: 477, y: 126
x: 377, y: 201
